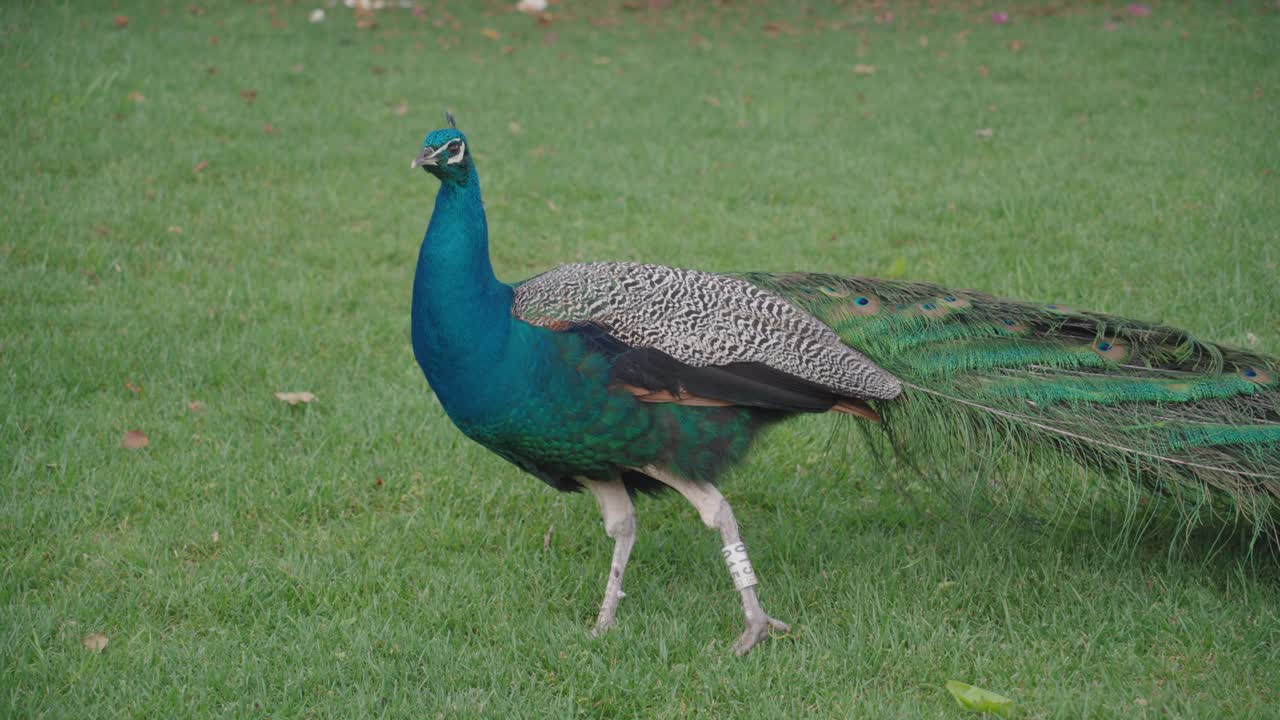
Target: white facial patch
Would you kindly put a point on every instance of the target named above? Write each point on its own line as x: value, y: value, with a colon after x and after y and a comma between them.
x: 457, y: 156
x: 735, y: 556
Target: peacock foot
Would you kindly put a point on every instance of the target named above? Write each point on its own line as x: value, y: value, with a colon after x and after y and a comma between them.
x: 603, y: 625
x: 756, y: 631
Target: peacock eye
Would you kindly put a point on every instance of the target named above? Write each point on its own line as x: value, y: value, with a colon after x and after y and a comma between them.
x: 454, y: 147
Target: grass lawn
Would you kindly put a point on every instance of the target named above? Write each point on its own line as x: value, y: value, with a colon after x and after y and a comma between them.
x: 213, y: 203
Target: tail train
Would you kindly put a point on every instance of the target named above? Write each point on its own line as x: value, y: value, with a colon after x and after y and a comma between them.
x: 1179, y: 412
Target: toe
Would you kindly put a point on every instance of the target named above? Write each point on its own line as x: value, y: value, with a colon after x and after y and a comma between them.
x: 757, y: 632
x: 750, y: 638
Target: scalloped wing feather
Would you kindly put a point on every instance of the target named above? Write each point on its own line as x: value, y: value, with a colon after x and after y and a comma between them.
x: 701, y: 320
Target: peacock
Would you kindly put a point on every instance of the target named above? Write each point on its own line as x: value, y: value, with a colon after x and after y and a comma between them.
x: 623, y: 377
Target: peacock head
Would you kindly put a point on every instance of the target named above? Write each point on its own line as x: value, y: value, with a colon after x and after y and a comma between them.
x: 444, y: 154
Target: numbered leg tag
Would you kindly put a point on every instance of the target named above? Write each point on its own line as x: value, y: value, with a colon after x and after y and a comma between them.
x: 735, y: 556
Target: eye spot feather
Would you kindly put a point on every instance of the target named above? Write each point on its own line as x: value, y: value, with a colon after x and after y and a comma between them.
x: 1009, y: 326
x: 932, y: 309
x: 1257, y: 376
x: 864, y: 305
x: 955, y: 301
x: 1111, y: 349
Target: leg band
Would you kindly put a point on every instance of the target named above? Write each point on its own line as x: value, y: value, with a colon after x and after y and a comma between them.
x: 735, y: 556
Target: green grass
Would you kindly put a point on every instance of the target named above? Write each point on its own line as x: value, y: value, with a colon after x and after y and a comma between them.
x: 370, y: 562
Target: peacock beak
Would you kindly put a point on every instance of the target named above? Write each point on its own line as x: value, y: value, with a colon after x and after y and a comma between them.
x: 427, y: 157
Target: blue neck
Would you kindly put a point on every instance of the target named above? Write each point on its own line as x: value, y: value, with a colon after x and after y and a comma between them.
x: 461, y: 313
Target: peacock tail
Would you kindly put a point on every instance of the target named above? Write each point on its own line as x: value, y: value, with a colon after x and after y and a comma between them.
x: 1180, y: 414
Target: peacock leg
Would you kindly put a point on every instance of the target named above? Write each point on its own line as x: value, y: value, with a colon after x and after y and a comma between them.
x: 619, y: 524
x: 717, y: 515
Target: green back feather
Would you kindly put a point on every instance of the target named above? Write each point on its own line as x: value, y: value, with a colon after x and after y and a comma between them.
x: 1181, y: 413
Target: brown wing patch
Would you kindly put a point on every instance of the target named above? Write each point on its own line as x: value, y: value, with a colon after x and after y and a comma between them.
x: 679, y: 398
x: 551, y: 324
x: 848, y: 407
x: 856, y: 407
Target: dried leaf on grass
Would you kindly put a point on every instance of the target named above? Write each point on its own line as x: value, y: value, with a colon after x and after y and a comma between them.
x: 95, y: 642
x: 293, y: 398
x: 775, y: 28
x: 134, y: 440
